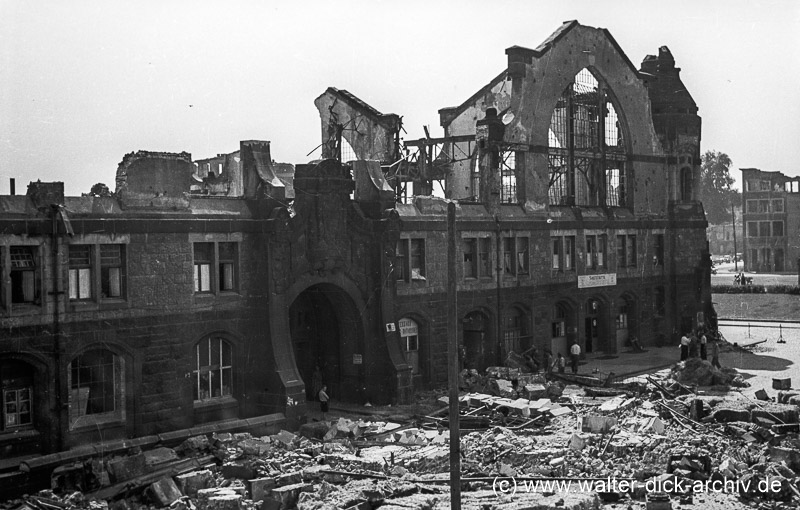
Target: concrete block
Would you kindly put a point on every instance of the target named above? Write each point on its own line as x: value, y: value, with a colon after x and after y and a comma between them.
x: 238, y: 470
x: 163, y: 492
x: 128, y: 467
x: 260, y: 488
x: 782, y: 384
x: 598, y: 424
x: 190, y: 483
x: 762, y: 394
x: 159, y: 456
x: 726, y: 415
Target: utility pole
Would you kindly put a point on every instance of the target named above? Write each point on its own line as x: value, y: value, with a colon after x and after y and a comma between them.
x: 735, y: 249
x: 452, y: 357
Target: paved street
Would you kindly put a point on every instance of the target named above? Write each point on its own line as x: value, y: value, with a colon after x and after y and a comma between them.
x: 766, y: 360
x: 726, y: 272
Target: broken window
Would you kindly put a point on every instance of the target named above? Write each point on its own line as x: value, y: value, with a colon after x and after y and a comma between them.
x: 227, y: 265
x: 96, y: 387
x: 508, y: 177
x: 509, y: 264
x: 658, y: 249
x: 216, y: 266
x: 470, y: 251
x: 475, y: 179
x: 24, y: 276
x: 401, y: 258
x: 522, y: 255
x: 203, y: 256
x: 213, y: 370
x: 559, y: 321
x: 777, y: 229
x: 586, y: 147
x: 485, y: 257
x: 512, y: 330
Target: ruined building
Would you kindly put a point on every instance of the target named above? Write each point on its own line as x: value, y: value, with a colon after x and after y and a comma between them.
x: 771, y: 202
x: 210, y: 290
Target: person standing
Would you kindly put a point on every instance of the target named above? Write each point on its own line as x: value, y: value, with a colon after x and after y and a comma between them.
x: 715, y: 354
x: 703, y: 342
x: 560, y: 363
x: 549, y: 363
x: 685, y: 341
x: 575, y: 354
x: 323, y: 401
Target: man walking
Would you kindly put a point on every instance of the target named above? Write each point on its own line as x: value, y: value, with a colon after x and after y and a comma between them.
x: 685, y: 346
x: 575, y: 354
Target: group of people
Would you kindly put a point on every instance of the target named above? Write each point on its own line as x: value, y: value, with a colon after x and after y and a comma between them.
x: 695, y: 344
x: 550, y: 363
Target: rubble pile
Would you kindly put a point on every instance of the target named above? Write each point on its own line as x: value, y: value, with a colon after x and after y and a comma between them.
x: 660, y: 433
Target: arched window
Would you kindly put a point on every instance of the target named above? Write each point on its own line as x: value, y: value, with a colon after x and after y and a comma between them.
x: 213, y: 369
x: 96, y: 386
x: 586, y: 147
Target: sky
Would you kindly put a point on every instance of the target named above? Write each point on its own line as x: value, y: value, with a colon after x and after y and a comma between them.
x: 82, y: 83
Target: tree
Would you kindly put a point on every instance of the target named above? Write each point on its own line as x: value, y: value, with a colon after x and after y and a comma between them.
x: 716, y: 187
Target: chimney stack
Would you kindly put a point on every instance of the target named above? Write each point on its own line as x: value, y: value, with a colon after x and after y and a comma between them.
x: 12, y: 186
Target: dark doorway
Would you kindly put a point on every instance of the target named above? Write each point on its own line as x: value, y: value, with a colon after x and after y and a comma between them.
x: 779, y: 260
x: 478, y: 351
x: 326, y: 333
x: 592, y: 325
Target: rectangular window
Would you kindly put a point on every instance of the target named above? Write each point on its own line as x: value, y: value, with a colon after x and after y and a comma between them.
x: 569, y: 253
x: 522, y: 255
x: 112, y: 266
x: 509, y: 262
x: 622, y: 251
x: 777, y: 229
x: 763, y: 206
x: 17, y: 408
x: 23, y: 275
x: 777, y: 205
x: 486, y: 257
x: 591, y: 252
x: 401, y: 258
x: 80, y: 271
x: 557, y: 251
x: 763, y: 229
x: 203, y: 257
x: 752, y: 229
x: 417, y: 259
x: 752, y: 206
x: 227, y: 264
x: 658, y: 256
x: 470, y: 251
x: 602, y: 242
x: 631, y: 256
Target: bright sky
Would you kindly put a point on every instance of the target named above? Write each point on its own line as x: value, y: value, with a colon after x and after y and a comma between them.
x: 84, y: 82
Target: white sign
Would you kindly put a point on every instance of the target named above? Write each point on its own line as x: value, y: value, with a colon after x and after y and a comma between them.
x: 597, y: 280
x: 357, y: 359
x: 389, y: 327
x: 407, y: 327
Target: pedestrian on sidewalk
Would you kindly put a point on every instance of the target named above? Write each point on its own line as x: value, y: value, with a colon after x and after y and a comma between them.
x: 715, y: 354
x: 685, y: 346
x: 323, y: 401
x: 575, y: 354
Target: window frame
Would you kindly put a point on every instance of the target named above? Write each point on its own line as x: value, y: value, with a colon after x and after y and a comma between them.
x: 35, y: 270
x: 220, y: 368
x: 80, y: 289
x: 214, y: 263
x: 117, y: 381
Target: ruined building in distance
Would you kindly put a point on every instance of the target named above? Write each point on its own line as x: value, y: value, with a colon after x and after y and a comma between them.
x: 209, y: 290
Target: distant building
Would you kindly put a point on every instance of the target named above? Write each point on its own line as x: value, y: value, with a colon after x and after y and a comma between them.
x: 721, y: 238
x: 771, y: 202
x: 211, y: 289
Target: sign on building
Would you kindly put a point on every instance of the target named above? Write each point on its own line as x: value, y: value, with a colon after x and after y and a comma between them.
x: 407, y: 327
x: 597, y: 280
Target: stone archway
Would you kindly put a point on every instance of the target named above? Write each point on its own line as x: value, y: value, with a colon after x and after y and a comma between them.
x: 326, y: 331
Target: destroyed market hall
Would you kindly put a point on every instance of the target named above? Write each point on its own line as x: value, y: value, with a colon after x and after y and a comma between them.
x: 198, y: 291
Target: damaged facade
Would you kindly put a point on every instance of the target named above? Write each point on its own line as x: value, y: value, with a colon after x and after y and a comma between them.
x: 771, y: 202
x: 212, y: 289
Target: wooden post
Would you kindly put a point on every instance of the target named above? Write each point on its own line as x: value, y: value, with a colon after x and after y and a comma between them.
x: 452, y: 356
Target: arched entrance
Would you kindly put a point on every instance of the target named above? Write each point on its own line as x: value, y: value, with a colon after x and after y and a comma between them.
x: 326, y: 332
x: 625, y: 322
x: 477, y: 341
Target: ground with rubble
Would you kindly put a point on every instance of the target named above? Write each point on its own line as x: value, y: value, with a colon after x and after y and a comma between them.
x: 685, y: 437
